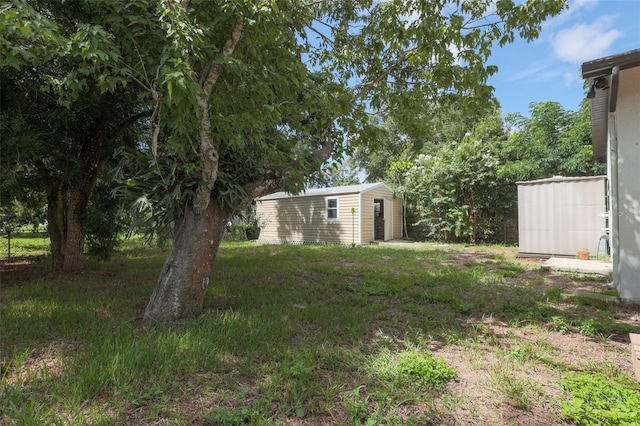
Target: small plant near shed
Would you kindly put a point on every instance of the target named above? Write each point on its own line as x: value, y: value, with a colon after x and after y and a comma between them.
x: 584, y: 254
x: 561, y: 325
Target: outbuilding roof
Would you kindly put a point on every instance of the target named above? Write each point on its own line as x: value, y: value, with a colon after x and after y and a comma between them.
x: 603, y: 76
x: 335, y: 190
x: 561, y: 179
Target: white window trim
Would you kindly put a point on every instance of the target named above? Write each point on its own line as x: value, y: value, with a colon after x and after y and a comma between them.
x: 326, y: 208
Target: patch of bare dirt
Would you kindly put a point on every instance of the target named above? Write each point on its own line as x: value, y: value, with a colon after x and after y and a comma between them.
x: 48, y: 361
x: 499, y: 385
x: 20, y: 269
x: 33, y: 268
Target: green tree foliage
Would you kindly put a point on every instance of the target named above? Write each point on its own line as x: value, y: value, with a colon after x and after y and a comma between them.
x: 334, y: 174
x: 398, y: 178
x: 466, y: 190
x: 53, y: 154
x: 551, y: 142
x: 65, y: 110
x: 15, y: 216
x: 382, y: 143
x: 104, y: 221
x: 393, y: 137
x: 252, y: 97
x: 458, y: 194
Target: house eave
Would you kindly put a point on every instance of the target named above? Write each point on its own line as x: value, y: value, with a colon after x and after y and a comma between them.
x: 604, y: 66
x: 603, y: 76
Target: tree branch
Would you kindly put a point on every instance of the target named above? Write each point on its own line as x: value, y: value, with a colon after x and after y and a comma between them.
x: 323, y: 36
x: 122, y: 127
x: 274, y: 177
x: 229, y: 47
x: 362, y: 89
x: 208, y: 151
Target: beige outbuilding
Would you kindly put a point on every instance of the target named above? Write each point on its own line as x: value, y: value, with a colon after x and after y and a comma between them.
x: 353, y: 214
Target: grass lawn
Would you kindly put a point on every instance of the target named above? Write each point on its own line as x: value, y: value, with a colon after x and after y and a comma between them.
x: 313, y: 335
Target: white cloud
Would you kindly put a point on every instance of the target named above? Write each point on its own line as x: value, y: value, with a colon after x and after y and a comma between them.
x: 579, y: 4
x: 575, y: 6
x: 583, y: 42
x: 571, y: 78
x: 530, y: 71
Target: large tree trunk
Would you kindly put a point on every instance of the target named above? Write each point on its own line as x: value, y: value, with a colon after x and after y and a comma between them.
x: 65, y: 228
x: 67, y: 202
x: 74, y: 245
x: 183, y: 281
x: 56, y: 224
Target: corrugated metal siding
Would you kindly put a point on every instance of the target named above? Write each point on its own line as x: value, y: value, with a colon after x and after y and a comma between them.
x: 560, y: 216
x: 303, y: 219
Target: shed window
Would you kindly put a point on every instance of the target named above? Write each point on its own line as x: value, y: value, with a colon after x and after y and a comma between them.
x: 332, y: 208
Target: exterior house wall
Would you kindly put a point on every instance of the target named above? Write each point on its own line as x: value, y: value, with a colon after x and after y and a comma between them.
x: 304, y: 219
x: 626, y: 203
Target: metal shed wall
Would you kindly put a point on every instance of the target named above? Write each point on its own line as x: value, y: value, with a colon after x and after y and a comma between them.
x: 561, y: 215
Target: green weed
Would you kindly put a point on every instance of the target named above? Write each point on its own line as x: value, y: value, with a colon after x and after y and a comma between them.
x: 238, y: 417
x: 425, y: 369
x: 598, y: 400
x: 508, y: 270
x: 581, y: 277
x: 357, y: 406
x: 518, y: 392
x: 561, y: 324
x: 410, y: 368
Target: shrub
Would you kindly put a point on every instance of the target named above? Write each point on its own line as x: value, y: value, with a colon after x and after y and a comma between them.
x: 103, y: 222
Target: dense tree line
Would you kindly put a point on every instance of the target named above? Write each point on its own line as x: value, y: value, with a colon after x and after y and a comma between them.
x: 460, y: 185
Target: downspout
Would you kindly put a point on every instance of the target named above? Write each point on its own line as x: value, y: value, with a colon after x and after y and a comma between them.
x: 613, y: 164
x: 615, y: 227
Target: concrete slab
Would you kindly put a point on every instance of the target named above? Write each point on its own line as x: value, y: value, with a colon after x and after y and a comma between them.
x: 577, y: 265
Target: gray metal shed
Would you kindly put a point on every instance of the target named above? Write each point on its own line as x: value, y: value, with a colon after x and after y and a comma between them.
x: 562, y: 215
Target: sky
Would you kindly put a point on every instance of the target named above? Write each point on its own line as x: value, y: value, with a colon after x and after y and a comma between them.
x: 548, y: 68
